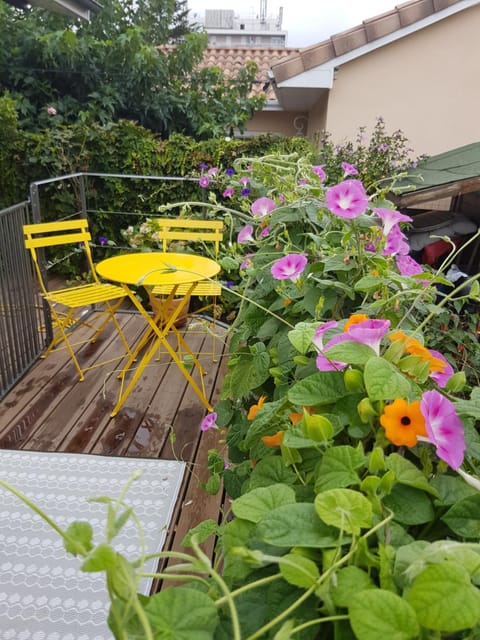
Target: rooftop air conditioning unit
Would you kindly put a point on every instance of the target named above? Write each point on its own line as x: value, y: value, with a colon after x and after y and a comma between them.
x: 219, y: 18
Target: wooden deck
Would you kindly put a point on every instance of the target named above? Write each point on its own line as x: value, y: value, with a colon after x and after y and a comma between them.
x: 50, y: 410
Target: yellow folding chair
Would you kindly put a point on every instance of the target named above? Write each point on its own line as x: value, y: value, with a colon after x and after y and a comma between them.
x: 192, y: 235
x: 69, y: 307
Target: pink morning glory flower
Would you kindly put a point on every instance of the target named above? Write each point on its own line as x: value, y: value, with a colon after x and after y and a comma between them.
x: 444, y: 427
x: 262, y: 206
x: 204, y: 182
x: 228, y: 193
x: 441, y: 377
x: 212, y: 171
x: 320, y: 332
x: 327, y: 364
x: 396, y: 243
x: 51, y: 111
x: 389, y: 218
x: 318, y: 170
x: 209, y: 422
x: 349, y: 169
x: 408, y: 266
x: 323, y: 363
x: 369, y: 332
x: 348, y: 199
x: 245, y: 180
x: 245, y: 234
x: 290, y: 267
x: 264, y: 232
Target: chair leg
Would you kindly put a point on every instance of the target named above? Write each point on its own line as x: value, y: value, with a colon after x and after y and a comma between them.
x: 61, y: 335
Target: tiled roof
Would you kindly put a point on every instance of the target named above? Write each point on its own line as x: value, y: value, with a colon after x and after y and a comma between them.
x: 232, y: 59
x: 401, y: 16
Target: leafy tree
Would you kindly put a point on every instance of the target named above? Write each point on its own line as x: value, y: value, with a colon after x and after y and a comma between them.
x: 59, y: 72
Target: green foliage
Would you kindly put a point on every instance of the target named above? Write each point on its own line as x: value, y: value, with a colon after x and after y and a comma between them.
x: 112, y: 68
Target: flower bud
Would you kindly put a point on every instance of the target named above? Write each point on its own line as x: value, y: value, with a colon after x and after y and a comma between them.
x: 456, y: 382
x: 366, y: 410
x: 316, y: 427
x: 353, y: 380
x: 376, y: 460
x: 395, y: 351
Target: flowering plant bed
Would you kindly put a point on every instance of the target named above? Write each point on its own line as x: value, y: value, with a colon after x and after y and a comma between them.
x: 352, y: 448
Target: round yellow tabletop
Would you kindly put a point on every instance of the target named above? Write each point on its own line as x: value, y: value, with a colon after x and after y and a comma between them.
x: 150, y: 269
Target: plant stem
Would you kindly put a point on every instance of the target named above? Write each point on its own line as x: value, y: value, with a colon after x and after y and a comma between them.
x: 81, y: 550
x: 248, y: 586
x: 311, y: 623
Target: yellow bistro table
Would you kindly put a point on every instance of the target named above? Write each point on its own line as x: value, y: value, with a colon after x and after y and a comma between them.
x: 148, y: 270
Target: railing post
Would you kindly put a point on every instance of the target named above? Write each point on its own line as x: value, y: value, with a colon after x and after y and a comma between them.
x: 35, y: 202
x: 83, y: 196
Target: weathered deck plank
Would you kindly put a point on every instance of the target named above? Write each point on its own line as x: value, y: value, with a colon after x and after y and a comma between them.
x: 50, y: 410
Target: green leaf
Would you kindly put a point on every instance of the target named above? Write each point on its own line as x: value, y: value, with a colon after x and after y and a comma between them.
x: 378, y: 614
x: 319, y: 389
x: 202, y: 532
x: 80, y: 536
x: 338, y: 468
x: 444, y: 598
x: 301, y: 337
x: 296, y: 525
x: 182, y: 613
x: 255, y: 504
x: 409, y: 505
x: 262, y: 424
x: 408, y: 473
x: 249, y: 372
x: 451, y: 489
x: 383, y: 381
x: 470, y: 407
x: 463, y: 518
x: 101, y: 558
x: 351, y: 352
x: 347, y: 583
x: 270, y: 471
x: 346, y: 509
x: 299, y: 570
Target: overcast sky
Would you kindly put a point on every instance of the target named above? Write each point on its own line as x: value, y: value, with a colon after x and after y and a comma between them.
x: 306, y: 21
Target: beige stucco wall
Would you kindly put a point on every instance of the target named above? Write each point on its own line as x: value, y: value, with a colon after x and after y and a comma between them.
x: 426, y: 84
x: 287, y: 123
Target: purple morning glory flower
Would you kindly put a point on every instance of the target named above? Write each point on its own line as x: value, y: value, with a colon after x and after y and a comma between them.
x: 230, y: 172
x: 209, y: 422
x: 390, y: 218
x: 348, y: 199
x: 245, y: 234
x: 244, y: 192
x: 444, y: 427
x: 290, y: 267
x: 396, y: 243
x: 318, y: 170
x: 262, y: 206
x: 102, y: 240
x: 349, y: 169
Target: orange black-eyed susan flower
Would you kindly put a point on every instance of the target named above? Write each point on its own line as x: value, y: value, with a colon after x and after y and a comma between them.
x: 416, y: 348
x: 355, y: 318
x: 273, y: 441
x: 403, y: 422
x: 255, y: 408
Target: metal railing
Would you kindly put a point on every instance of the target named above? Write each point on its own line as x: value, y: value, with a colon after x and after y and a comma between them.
x: 21, y: 313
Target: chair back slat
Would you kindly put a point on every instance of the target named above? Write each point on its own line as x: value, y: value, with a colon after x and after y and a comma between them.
x: 192, y: 230
x: 49, y: 234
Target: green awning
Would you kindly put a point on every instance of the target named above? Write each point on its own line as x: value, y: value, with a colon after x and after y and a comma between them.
x: 446, y: 174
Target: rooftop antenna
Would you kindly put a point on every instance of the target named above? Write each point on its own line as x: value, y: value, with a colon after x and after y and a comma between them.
x: 263, y: 11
